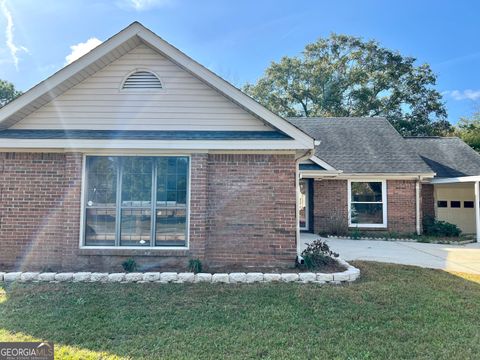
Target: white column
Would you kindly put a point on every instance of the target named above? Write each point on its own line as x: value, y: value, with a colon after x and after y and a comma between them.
x: 477, y: 210
x: 417, y: 207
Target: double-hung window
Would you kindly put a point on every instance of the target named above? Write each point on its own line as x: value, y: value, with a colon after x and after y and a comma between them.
x: 367, y: 203
x: 136, y: 201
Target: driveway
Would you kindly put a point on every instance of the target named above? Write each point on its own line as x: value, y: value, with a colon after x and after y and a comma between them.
x: 461, y: 258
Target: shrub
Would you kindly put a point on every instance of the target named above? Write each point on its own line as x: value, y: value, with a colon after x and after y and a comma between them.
x: 439, y: 228
x: 130, y: 265
x: 337, y: 226
x: 195, y: 265
x: 318, y: 254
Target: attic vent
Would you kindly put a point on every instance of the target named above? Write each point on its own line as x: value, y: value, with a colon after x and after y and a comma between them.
x: 142, y: 80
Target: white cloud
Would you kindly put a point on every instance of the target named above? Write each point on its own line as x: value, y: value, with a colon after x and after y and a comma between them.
x: 142, y: 5
x: 12, y: 47
x: 464, y: 94
x: 80, y: 49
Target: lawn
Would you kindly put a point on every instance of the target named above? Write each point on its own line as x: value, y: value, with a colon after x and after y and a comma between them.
x: 393, y: 312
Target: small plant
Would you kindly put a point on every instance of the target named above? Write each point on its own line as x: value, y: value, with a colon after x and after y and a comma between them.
x: 130, y: 265
x: 318, y: 254
x: 195, y: 265
x: 337, y: 226
x: 356, y: 234
x: 439, y: 228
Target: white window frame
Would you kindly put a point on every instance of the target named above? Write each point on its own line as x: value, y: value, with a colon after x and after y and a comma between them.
x: 307, y: 207
x: 384, y: 204
x: 144, y: 248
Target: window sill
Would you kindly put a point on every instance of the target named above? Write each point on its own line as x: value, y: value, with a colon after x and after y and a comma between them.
x: 117, y: 251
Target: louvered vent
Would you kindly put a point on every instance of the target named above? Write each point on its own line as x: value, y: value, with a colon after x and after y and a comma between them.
x: 142, y: 80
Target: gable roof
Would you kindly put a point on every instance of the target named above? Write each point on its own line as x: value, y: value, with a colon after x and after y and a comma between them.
x: 117, y: 46
x: 447, y: 156
x: 362, y: 145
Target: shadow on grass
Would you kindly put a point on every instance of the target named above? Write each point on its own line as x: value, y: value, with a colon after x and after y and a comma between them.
x: 415, y: 311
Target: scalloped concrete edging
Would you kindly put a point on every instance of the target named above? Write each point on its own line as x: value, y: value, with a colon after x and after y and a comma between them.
x: 349, y: 275
x: 464, y: 242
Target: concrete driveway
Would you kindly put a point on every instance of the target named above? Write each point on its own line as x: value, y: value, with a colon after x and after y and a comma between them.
x: 461, y: 258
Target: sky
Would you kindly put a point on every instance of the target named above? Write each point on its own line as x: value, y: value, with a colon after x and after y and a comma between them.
x: 239, y: 39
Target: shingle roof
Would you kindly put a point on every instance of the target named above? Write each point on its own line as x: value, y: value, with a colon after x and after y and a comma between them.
x: 143, y: 135
x: 448, y: 156
x: 362, y: 145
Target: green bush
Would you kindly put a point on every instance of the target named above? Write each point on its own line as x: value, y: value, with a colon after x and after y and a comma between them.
x: 130, y: 265
x: 439, y: 228
x: 195, y: 266
x: 318, y: 254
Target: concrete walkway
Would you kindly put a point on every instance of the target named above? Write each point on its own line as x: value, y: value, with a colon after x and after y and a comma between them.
x: 461, y: 258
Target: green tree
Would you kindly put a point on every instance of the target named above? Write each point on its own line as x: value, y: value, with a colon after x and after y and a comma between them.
x: 7, y: 92
x: 468, y: 129
x: 346, y: 76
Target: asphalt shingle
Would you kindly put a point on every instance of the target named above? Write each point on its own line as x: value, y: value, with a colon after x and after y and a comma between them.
x: 447, y: 156
x: 362, y: 145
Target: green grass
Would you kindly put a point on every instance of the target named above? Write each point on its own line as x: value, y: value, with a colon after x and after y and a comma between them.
x: 393, y: 312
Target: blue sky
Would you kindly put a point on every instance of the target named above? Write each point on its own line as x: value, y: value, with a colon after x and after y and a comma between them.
x: 238, y: 39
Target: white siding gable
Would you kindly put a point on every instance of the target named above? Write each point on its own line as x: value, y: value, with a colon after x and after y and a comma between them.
x: 183, y: 103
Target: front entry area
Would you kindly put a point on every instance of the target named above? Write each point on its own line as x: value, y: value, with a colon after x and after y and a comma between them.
x: 306, y: 205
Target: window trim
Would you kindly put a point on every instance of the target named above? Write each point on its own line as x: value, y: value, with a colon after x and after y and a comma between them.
x: 384, y: 204
x: 82, y: 245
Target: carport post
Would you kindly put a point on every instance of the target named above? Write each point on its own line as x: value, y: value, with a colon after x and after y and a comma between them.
x: 477, y: 210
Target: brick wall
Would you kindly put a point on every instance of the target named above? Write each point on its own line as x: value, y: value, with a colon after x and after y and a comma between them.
x: 251, y: 210
x: 331, y: 206
x: 250, y: 217
x: 401, y: 206
x: 428, y: 200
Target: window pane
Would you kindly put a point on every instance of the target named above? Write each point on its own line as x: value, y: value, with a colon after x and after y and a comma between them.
x: 171, y: 227
x: 442, y: 204
x: 455, y: 204
x: 367, y: 214
x: 100, y: 227
x: 135, y: 227
x: 367, y: 191
x: 468, y: 204
x: 101, y: 181
x: 136, y: 181
x: 172, y: 175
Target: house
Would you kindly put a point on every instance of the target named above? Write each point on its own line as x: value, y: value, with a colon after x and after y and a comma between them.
x: 136, y: 150
x: 365, y: 175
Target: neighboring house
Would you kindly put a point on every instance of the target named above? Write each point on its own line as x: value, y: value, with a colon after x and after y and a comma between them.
x: 136, y: 150
x: 365, y: 175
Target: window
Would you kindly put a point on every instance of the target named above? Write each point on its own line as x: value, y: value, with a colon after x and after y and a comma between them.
x: 442, y: 204
x: 468, y: 204
x: 142, y: 80
x: 367, y: 203
x: 136, y: 201
x: 455, y: 204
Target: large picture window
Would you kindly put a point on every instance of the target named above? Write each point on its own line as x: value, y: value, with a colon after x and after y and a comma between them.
x: 136, y: 201
x: 367, y: 203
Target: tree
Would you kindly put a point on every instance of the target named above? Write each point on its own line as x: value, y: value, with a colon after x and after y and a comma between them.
x: 7, y: 92
x: 468, y: 129
x: 346, y: 76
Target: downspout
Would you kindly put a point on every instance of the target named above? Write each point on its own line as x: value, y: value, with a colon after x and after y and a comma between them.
x: 305, y: 156
x: 417, y: 206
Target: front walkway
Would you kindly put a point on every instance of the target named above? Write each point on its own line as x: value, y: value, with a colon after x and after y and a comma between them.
x: 461, y: 258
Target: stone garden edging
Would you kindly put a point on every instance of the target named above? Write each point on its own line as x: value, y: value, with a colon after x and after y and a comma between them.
x: 463, y: 242
x: 349, y: 275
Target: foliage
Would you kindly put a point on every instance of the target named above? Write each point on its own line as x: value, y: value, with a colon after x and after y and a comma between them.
x: 392, y: 312
x: 318, y: 254
x: 434, y: 227
x: 468, y: 129
x: 337, y: 226
x: 195, y: 265
x: 130, y: 265
x: 7, y: 93
x: 346, y: 76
